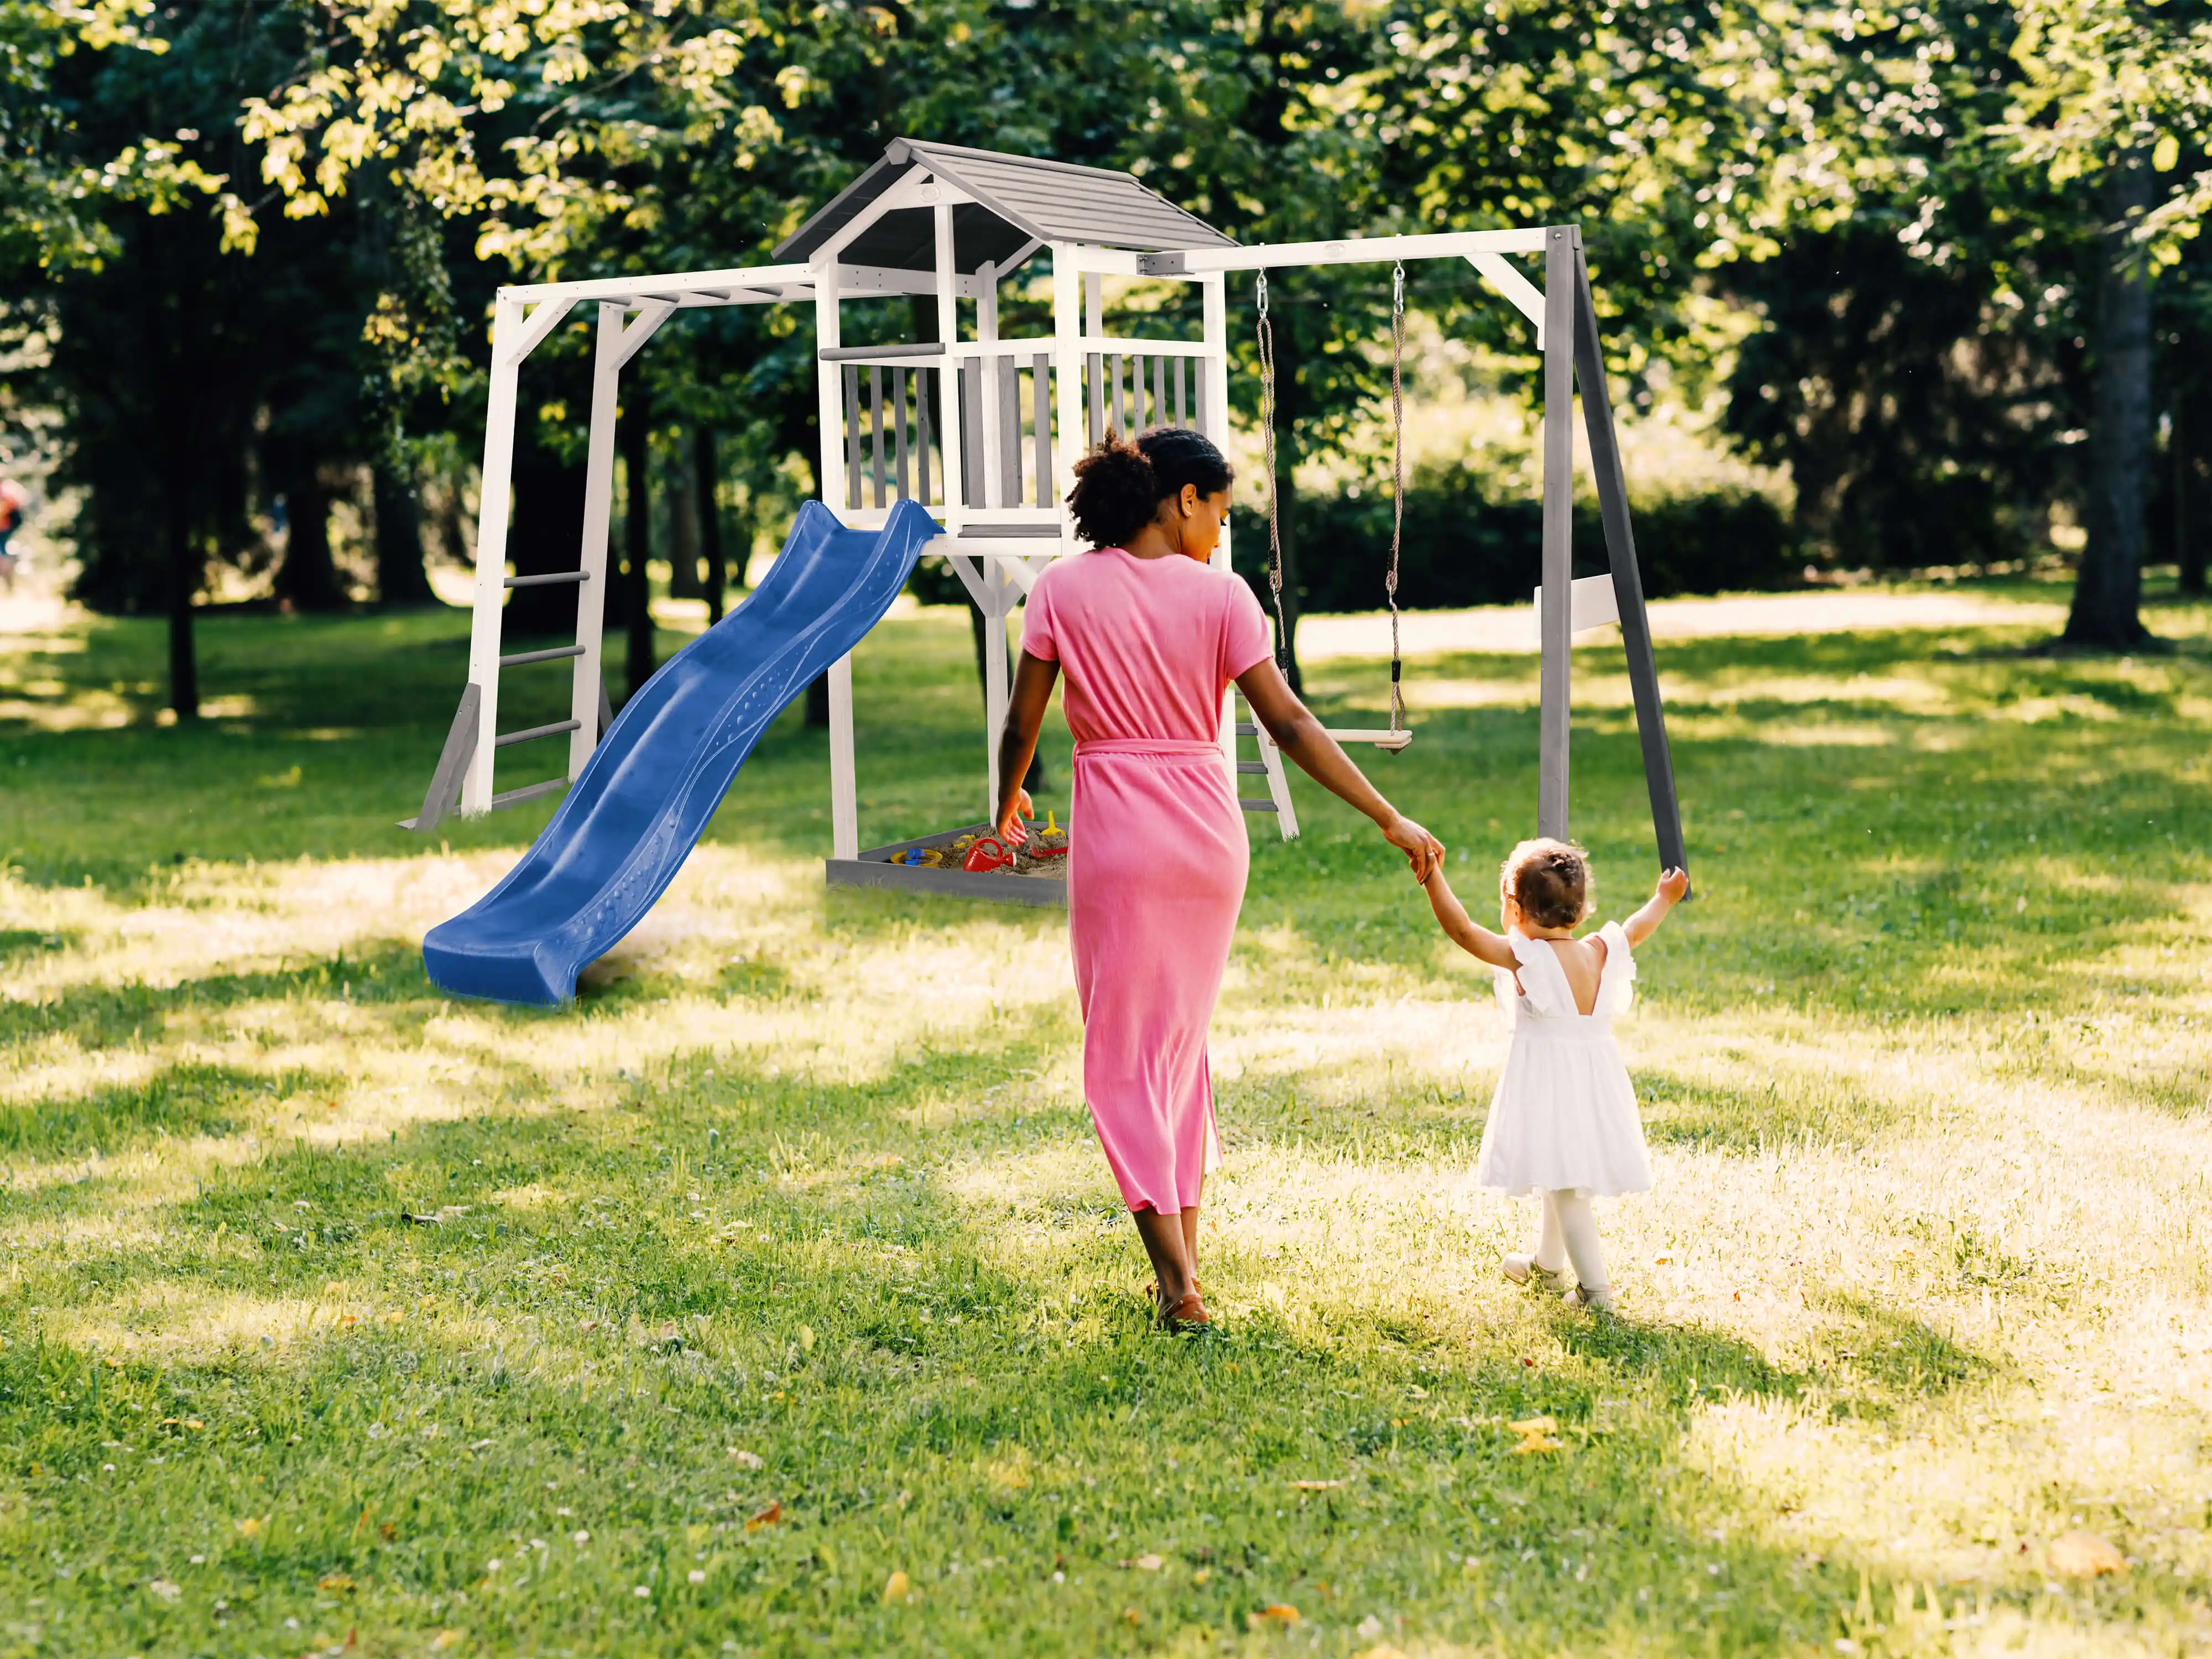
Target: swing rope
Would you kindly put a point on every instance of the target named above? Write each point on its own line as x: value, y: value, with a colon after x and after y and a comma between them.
x: 1267, y: 343
x: 1266, y: 332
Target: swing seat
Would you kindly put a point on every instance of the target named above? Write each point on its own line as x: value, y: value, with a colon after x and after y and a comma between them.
x: 1380, y: 737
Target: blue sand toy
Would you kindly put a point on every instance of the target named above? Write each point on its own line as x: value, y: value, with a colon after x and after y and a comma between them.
x: 632, y: 817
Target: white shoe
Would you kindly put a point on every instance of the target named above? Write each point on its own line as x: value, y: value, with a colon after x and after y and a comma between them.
x: 1582, y: 1297
x: 1519, y: 1268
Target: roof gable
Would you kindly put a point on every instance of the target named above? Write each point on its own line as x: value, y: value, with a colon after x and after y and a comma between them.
x: 1018, y: 200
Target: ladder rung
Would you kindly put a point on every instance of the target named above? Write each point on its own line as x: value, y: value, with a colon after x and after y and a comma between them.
x: 550, y: 580
x: 534, y: 731
x: 528, y: 792
x: 1252, y: 766
x: 1251, y: 805
x: 522, y: 657
x: 1246, y: 729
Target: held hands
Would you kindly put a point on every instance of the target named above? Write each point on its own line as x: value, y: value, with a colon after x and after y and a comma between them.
x: 1422, y: 850
x: 1672, y: 884
x: 1010, y: 825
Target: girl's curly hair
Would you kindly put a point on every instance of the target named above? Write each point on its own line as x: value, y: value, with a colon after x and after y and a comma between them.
x: 1119, y: 485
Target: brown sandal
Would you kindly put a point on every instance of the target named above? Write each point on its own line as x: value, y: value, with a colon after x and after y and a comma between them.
x: 1188, y: 1314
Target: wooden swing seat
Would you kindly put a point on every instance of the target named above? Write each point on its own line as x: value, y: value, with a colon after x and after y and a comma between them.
x: 1381, y: 737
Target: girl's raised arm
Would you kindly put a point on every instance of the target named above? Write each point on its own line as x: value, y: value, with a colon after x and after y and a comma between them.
x: 1646, y: 922
x: 1470, y: 935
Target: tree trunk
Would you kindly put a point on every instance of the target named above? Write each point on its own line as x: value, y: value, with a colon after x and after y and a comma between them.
x: 680, y: 490
x: 307, y: 580
x: 185, y: 573
x: 2108, y: 591
x: 1286, y: 491
x: 2188, y: 529
x: 706, y: 475
x: 400, y: 579
x: 637, y: 537
x: 544, y: 536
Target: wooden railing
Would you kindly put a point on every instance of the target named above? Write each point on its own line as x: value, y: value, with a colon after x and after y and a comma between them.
x: 893, y: 407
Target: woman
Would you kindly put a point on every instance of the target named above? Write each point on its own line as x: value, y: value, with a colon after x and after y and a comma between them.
x: 1150, y: 637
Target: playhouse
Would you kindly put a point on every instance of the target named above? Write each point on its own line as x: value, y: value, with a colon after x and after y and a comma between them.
x: 980, y: 430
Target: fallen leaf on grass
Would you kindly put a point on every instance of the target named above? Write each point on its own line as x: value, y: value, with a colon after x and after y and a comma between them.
x: 1144, y: 1563
x: 767, y: 1517
x: 1536, y: 1425
x: 250, y: 1526
x: 1275, y: 1612
x: 807, y: 1337
x: 167, y: 1589
x: 1129, y: 1615
x: 446, y: 1638
x: 336, y: 1583
x: 746, y: 1460
x: 2084, y: 1555
x: 1315, y: 1485
x: 897, y: 1588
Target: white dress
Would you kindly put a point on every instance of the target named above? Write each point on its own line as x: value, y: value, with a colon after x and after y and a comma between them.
x: 1565, y: 1115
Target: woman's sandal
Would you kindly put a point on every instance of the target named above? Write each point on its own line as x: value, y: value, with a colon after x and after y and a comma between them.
x: 1188, y: 1314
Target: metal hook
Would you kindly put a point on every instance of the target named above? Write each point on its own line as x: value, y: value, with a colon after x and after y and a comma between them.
x: 1263, y: 294
x: 1397, y: 289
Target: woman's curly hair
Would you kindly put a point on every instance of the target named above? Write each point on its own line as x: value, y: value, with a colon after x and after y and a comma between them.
x: 1549, y: 879
x: 1119, y: 485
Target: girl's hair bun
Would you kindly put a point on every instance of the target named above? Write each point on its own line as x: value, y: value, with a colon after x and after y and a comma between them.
x: 1119, y: 485
x: 1549, y: 879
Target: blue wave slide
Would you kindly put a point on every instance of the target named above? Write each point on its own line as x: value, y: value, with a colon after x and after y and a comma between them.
x: 626, y: 826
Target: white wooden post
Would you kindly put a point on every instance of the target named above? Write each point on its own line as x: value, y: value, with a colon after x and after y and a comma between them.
x: 1068, y: 381
x: 987, y: 334
x: 1214, y: 419
x: 1556, y: 663
x: 844, y: 779
x: 829, y: 392
x: 492, y: 511
x: 599, y: 507
x: 948, y: 380
x: 1094, y: 304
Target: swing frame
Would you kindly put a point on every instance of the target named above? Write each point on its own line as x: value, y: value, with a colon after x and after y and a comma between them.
x: 1567, y: 337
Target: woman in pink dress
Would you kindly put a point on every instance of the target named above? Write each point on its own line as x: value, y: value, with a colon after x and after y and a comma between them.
x: 1150, y: 637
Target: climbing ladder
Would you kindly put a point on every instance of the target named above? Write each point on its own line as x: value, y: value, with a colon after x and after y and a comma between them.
x: 1269, y: 766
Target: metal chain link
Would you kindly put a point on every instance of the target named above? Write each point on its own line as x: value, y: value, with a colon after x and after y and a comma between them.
x: 1267, y: 343
x: 1397, y: 479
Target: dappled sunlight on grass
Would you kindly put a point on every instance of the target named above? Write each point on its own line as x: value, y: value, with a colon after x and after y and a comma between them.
x: 797, y: 1210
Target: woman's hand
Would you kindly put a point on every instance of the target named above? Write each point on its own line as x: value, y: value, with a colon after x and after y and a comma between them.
x: 1422, y: 850
x: 1010, y: 825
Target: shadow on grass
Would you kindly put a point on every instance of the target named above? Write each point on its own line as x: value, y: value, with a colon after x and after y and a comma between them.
x: 178, y: 1100
x: 97, y: 1016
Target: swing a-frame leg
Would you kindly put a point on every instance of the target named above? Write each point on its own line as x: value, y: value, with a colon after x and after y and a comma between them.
x: 1572, y: 356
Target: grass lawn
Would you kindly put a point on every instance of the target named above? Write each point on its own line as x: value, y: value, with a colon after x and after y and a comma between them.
x: 775, y: 1298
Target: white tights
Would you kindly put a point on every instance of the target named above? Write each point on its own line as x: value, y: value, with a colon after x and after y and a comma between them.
x: 1568, y: 1233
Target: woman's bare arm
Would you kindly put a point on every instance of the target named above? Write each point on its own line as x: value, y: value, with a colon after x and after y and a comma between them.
x: 1034, y: 678
x: 1299, y: 735
x: 1470, y: 935
x: 1646, y: 922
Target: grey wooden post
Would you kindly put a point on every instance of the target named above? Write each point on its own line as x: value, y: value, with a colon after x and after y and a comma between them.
x: 1553, y: 717
x: 443, y: 796
x: 1627, y: 579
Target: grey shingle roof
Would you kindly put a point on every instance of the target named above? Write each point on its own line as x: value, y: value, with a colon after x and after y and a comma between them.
x: 1018, y: 199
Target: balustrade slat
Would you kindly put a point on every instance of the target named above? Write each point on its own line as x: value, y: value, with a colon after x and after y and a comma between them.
x: 1041, y: 408
x: 852, y: 435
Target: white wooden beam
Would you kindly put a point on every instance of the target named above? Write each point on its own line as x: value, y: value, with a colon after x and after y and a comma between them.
x: 1359, y: 250
x: 543, y: 319
x: 1526, y: 297
x: 599, y: 509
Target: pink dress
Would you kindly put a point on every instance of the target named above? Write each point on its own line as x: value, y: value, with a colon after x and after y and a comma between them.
x: 1158, y: 855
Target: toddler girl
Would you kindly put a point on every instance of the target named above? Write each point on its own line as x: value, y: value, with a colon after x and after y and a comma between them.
x: 1563, y: 1124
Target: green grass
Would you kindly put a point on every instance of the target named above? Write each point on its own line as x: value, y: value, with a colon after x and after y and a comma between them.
x: 341, y: 1317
